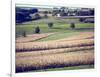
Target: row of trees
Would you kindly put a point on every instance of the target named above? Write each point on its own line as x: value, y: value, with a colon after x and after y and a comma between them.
x: 24, y: 14
x: 70, y: 12
x: 50, y: 25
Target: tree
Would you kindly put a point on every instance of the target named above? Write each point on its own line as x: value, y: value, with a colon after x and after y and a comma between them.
x: 55, y: 11
x: 24, y: 34
x: 62, y: 11
x: 50, y: 24
x: 72, y: 25
x: 37, y: 29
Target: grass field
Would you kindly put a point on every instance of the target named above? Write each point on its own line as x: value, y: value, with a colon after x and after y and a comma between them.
x: 56, y: 28
x: 54, y: 60
x: 57, y: 48
x: 59, y: 26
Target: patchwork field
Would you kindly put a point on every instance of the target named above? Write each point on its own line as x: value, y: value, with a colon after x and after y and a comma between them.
x: 33, y: 53
x: 54, y: 38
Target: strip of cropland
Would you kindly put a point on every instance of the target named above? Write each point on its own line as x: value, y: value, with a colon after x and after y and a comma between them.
x: 62, y: 53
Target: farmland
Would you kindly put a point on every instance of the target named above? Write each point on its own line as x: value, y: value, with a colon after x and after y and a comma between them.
x: 60, y: 26
x: 56, y: 48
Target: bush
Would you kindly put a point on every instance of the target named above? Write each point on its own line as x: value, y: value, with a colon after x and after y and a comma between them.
x: 24, y: 34
x: 50, y: 25
x: 72, y: 25
x: 37, y: 30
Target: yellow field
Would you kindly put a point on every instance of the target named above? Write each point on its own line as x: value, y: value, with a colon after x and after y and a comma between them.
x: 65, y: 52
x: 54, y: 60
x: 52, y: 51
x: 31, y: 46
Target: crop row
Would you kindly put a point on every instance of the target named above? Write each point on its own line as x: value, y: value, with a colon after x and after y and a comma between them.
x: 54, y: 60
x: 34, y: 46
x: 52, y: 51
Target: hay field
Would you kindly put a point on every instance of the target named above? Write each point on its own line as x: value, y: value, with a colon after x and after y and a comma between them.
x: 54, y: 60
x: 70, y: 51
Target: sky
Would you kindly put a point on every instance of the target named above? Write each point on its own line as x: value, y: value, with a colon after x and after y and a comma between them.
x: 48, y: 3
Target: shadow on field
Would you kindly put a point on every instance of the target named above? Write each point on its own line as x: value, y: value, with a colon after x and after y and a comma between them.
x: 33, y: 68
x: 77, y: 29
x: 83, y: 29
x: 61, y: 28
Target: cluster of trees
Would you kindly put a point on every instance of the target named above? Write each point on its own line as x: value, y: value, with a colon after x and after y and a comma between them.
x: 69, y: 12
x: 23, y: 14
x: 61, y: 11
x: 89, y: 12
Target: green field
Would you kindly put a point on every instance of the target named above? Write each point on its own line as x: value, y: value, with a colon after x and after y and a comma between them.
x: 58, y: 26
x: 58, y: 35
x: 61, y: 30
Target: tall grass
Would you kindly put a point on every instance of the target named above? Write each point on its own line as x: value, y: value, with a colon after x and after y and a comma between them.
x: 72, y: 51
x: 33, y: 46
x: 54, y: 60
x: 53, y: 51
